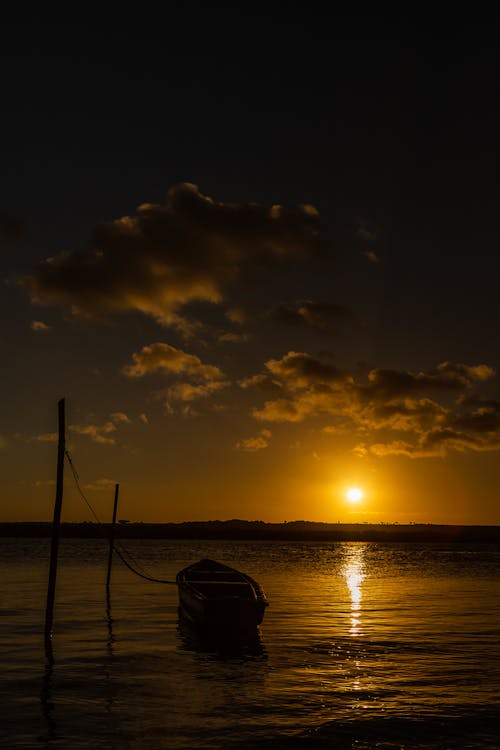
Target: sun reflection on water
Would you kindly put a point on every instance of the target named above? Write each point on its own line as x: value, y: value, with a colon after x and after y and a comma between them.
x: 354, y: 576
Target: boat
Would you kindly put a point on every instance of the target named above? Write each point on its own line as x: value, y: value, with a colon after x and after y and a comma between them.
x: 216, y: 597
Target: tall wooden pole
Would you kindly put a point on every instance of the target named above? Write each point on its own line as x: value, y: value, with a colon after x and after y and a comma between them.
x: 112, y: 536
x: 49, y: 612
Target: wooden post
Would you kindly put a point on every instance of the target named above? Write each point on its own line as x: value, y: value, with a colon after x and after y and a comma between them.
x: 112, y: 537
x: 49, y: 611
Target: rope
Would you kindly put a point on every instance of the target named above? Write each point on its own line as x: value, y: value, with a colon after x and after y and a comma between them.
x: 76, y: 478
x: 148, y: 578
x: 116, y: 545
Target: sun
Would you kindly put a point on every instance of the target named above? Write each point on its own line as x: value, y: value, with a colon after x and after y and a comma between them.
x: 354, y: 494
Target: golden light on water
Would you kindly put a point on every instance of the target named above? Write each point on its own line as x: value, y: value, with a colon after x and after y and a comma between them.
x: 354, y: 576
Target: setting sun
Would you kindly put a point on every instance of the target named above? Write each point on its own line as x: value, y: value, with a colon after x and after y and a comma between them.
x: 354, y: 494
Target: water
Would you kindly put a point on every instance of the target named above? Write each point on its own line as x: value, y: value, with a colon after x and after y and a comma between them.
x: 363, y: 646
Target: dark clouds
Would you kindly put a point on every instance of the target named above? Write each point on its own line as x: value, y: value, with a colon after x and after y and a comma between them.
x: 190, y: 249
x: 391, y: 404
x: 447, y: 376
x: 194, y: 249
x: 325, y: 317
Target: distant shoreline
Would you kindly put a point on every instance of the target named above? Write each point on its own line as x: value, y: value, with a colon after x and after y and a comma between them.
x: 260, y: 531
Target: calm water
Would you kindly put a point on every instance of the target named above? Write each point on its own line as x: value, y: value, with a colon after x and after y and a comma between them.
x: 362, y: 646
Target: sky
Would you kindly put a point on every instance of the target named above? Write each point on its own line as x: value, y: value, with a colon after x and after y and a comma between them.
x: 257, y: 255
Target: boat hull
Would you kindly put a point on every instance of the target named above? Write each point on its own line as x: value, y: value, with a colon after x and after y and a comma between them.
x: 217, y: 597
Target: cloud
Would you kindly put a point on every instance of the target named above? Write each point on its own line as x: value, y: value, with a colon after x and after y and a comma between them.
x: 306, y: 386
x: 389, y: 402
x: 462, y: 432
x: 202, y: 380
x: 447, y: 376
x: 321, y: 316
x: 263, y: 382
x: 371, y: 255
x: 119, y: 416
x: 101, y: 433
x: 254, y: 444
x: 364, y: 231
x: 39, y: 325
x: 281, y: 410
x: 166, y: 256
x: 233, y: 338
x: 166, y: 359
x: 366, y: 236
x: 46, y: 437
x: 299, y: 370
x: 236, y: 315
x: 101, y: 484
x: 189, y: 392
x: 405, y: 414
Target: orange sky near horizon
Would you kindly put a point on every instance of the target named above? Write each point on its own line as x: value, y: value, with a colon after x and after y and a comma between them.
x: 215, y: 481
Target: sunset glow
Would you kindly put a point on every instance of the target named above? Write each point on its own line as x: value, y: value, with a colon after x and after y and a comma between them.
x: 240, y: 334
x: 249, y: 339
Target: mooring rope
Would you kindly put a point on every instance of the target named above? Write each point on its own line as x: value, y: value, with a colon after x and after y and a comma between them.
x: 99, y: 523
x: 142, y: 575
x: 116, y: 545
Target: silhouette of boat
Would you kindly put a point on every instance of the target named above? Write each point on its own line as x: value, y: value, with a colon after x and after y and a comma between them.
x: 217, y: 597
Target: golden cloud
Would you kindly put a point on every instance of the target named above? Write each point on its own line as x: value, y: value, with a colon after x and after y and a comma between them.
x: 166, y: 359
x: 101, y: 433
x: 390, y: 401
x: 254, y: 444
x: 39, y: 325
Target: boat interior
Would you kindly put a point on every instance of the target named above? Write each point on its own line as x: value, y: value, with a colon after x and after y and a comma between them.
x: 222, y: 588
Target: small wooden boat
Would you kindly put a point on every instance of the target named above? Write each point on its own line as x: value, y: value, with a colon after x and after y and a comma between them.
x: 215, y: 596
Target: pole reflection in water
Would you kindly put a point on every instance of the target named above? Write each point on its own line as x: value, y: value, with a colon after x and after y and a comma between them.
x: 109, y: 621
x: 47, y: 704
x: 353, y: 572
x: 110, y: 641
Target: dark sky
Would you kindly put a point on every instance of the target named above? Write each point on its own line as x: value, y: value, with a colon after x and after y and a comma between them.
x: 388, y: 129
